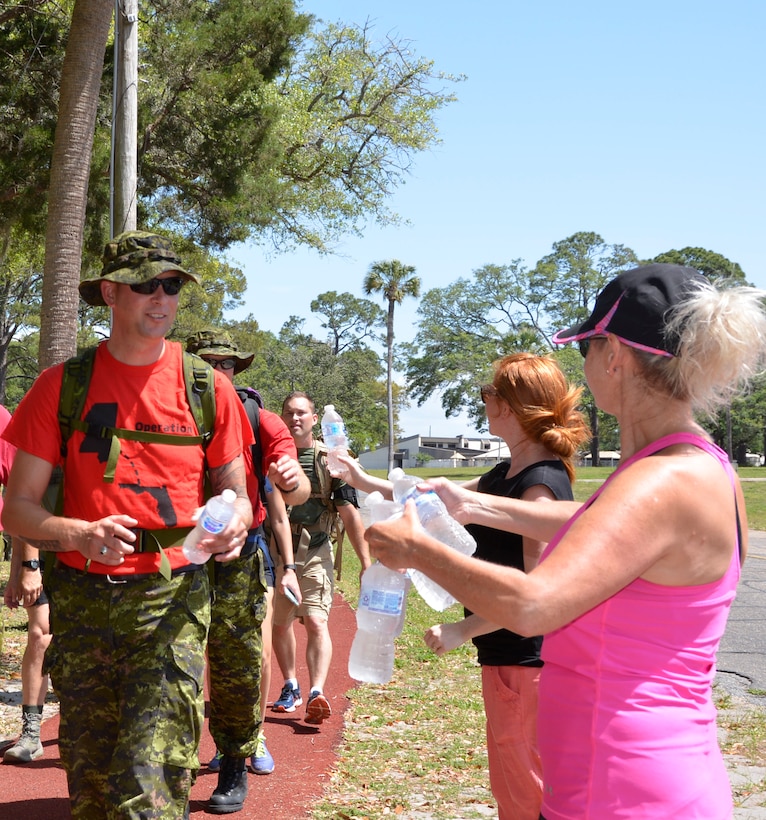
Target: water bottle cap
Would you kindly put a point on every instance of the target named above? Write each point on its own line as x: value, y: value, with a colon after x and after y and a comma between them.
x: 229, y: 496
x: 396, y: 474
x: 329, y: 407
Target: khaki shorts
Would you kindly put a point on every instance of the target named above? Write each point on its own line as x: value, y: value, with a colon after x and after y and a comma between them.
x: 317, y: 583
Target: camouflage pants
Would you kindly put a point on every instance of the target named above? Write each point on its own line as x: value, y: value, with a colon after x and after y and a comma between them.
x: 127, y: 663
x: 234, y: 654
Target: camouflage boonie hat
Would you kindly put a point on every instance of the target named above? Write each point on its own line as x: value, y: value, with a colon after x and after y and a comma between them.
x: 214, y: 342
x: 131, y: 258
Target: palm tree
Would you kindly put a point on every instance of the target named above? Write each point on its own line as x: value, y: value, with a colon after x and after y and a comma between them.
x: 395, y: 281
x: 70, y: 167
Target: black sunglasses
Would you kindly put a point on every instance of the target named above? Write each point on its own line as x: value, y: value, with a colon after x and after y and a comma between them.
x: 584, y: 344
x: 224, y: 364
x: 171, y: 286
x: 486, y: 391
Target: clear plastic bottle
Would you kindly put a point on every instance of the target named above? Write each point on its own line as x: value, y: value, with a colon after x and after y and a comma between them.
x: 334, y: 436
x: 380, y: 618
x: 437, y: 522
x: 214, y: 517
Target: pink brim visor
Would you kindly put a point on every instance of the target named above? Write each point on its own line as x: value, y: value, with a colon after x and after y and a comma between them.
x: 601, y: 329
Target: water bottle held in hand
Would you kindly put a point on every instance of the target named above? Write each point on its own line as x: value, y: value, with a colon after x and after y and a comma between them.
x: 437, y: 522
x: 380, y: 618
x: 215, y: 515
x: 334, y: 436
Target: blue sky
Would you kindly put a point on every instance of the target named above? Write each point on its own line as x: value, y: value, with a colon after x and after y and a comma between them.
x: 643, y: 122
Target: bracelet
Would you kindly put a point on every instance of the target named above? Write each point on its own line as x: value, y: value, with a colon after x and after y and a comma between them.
x: 287, y: 492
x: 289, y: 566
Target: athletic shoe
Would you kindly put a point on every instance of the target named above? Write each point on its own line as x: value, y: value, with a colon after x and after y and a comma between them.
x: 215, y: 762
x: 289, y: 699
x: 261, y: 762
x: 317, y: 709
x: 26, y: 749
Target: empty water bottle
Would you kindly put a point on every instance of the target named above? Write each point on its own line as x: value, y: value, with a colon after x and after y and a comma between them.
x: 334, y: 436
x: 215, y: 515
x: 437, y: 522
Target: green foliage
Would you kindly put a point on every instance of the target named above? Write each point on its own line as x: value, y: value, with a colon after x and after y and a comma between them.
x: 205, y: 128
x: 32, y: 39
x: 712, y: 264
x: 297, y: 361
x: 466, y: 326
x: 567, y: 280
x: 354, y: 112
x: 348, y: 320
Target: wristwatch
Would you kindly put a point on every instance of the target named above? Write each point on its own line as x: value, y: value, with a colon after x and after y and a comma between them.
x: 289, y: 566
x: 33, y: 564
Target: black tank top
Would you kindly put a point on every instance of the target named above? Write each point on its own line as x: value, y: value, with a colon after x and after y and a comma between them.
x: 503, y: 647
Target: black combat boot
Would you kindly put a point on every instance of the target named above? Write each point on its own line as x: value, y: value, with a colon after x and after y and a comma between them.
x: 231, y: 791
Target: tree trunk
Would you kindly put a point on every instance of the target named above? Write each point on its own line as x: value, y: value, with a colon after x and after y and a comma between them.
x: 390, y: 381
x: 595, y: 442
x: 70, y: 168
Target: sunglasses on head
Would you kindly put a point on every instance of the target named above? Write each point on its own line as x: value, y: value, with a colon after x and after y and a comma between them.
x: 171, y: 286
x: 486, y: 391
x: 223, y: 364
x: 584, y: 344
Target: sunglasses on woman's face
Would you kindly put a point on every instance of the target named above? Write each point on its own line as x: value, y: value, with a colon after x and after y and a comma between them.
x: 486, y: 391
x: 171, y: 286
x: 584, y: 344
x: 223, y: 364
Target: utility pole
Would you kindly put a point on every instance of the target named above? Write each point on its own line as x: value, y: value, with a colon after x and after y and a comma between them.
x: 124, y: 164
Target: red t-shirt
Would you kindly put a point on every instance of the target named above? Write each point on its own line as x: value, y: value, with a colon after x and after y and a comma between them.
x: 276, y: 442
x: 161, y: 485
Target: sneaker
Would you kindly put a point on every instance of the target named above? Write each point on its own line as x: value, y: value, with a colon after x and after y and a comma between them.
x: 215, y: 762
x: 262, y: 762
x: 289, y: 699
x: 26, y: 749
x: 317, y: 709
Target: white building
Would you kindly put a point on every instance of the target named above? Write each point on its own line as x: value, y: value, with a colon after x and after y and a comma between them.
x: 450, y: 451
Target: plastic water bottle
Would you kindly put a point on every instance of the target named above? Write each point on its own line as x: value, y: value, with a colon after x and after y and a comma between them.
x: 437, y: 522
x: 334, y: 435
x: 379, y: 618
x: 213, y: 518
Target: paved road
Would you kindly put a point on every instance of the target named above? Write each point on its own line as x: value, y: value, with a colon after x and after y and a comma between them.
x: 742, y: 654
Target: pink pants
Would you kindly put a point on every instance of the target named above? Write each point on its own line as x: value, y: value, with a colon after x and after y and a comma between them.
x: 515, y: 773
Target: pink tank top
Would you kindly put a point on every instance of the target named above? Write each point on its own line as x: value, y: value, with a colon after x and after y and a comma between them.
x: 627, y: 726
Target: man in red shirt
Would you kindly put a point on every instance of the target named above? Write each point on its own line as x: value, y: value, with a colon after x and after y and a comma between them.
x: 239, y: 645
x: 130, y: 614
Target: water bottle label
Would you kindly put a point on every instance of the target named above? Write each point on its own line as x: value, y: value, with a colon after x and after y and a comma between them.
x: 333, y: 429
x: 211, y: 525
x: 384, y: 602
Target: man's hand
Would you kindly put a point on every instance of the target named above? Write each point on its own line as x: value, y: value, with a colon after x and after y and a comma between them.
x: 107, y: 540
x: 286, y: 474
x: 290, y: 581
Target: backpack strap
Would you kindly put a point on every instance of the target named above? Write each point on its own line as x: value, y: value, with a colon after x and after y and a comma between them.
x: 74, y: 389
x: 200, y: 391
x: 331, y: 520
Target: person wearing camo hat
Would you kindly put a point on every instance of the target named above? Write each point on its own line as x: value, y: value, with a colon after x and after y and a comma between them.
x: 239, y: 643
x: 129, y: 612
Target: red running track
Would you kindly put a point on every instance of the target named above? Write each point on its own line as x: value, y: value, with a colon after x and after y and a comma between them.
x: 303, y: 754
